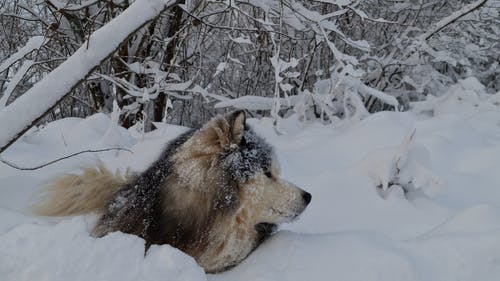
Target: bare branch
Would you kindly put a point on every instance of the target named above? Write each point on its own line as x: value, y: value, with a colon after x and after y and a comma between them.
x: 15, y: 166
x: 240, y: 28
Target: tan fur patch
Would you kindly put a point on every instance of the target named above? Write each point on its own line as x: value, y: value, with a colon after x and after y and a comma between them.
x: 261, y: 199
x: 74, y: 194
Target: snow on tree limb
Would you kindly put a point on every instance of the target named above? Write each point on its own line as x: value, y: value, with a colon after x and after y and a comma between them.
x: 363, y: 89
x: 34, y: 43
x: 25, y: 111
x: 250, y: 102
x: 452, y: 18
x: 14, y: 82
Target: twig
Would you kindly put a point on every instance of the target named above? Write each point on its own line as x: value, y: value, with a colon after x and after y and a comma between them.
x: 239, y: 28
x: 405, y: 142
x: 82, y: 102
x: 33, y: 13
x: 15, y: 166
x: 78, y: 7
x: 302, y: 83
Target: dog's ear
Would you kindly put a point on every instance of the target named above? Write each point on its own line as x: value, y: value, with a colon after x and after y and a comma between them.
x: 236, y: 122
x: 226, y: 130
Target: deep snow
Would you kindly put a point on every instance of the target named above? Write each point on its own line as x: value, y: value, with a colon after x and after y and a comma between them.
x: 447, y: 227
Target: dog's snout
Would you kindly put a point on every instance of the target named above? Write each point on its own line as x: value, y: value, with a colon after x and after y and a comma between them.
x: 307, y: 197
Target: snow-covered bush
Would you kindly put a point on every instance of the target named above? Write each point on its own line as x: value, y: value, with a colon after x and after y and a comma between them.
x: 321, y: 59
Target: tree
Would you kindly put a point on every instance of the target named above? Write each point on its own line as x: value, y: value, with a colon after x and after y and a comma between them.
x: 325, y: 59
x: 59, y: 82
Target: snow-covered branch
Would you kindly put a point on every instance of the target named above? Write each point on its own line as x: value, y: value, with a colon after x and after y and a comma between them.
x: 320, y: 59
x: 25, y: 111
x: 14, y: 82
x: 34, y: 43
x: 452, y: 18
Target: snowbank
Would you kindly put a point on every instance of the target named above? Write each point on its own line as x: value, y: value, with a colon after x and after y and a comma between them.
x: 66, y: 252
x: 368, y: 256
x: 396, y: 196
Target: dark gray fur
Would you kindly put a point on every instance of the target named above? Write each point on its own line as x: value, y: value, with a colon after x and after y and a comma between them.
x: 252, y: 155
x: 135, y: 207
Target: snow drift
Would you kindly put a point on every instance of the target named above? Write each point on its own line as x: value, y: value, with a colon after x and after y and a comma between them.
x: 396, y: 196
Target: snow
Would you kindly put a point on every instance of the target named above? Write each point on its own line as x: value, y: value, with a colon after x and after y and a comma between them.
x: 250, y: 102
x: 14, y: 81
x: 72, y: 7
x: 241, y: 40
x: 445, y: 227
x: 34, y: 43
x: 337, y: 2
x: 362, y: 88
x: 220, y: 68
x: 45, y: 247
x: 451, y: 18
x: 61, y: 80
x: 466, y: 97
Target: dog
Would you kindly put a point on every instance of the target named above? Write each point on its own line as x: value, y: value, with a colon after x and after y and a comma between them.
x: 214, y: 193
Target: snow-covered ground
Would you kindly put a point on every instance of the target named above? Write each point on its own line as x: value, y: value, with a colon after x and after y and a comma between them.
x: 360, y: 225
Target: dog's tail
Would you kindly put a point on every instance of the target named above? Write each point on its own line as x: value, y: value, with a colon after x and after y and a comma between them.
x: 76, y: 194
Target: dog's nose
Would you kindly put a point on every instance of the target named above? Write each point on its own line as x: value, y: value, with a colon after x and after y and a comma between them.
x: 307, y: 197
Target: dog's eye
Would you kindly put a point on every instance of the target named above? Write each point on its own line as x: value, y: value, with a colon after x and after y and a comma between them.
x: 269, y: 175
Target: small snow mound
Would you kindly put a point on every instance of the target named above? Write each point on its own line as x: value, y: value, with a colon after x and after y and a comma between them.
x: 52, y: 133
x: 67, y: 252
x: 405, y: 165
x: 467, y: 97
x: 77, y: 133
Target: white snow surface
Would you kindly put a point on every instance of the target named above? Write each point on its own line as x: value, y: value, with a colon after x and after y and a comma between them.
x: 446, y: 228
x: 49, y: 253
x: 250, y: 102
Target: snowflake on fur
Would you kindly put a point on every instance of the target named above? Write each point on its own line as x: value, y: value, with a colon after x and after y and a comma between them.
x: 253, y: 154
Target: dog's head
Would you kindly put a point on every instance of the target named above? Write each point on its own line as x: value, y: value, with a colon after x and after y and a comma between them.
x: 238, y: 170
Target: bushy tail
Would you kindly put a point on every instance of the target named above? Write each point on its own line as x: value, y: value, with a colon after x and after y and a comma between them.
x: 75, y: 194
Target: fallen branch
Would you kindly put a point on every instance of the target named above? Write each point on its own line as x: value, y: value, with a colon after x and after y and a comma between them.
x: 15, y: 166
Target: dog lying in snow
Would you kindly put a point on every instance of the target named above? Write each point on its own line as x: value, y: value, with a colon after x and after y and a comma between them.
x: 215, y: 193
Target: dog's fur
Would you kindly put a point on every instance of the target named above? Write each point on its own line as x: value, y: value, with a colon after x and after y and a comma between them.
x: 214, y: 193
